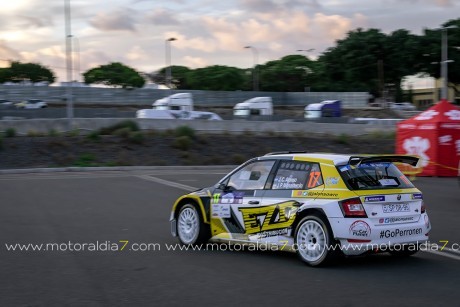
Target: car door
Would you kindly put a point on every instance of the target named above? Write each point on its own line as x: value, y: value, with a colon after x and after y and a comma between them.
x: 244, y: 188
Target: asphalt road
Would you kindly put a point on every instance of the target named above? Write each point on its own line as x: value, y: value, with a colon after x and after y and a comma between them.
x: 134, y: 206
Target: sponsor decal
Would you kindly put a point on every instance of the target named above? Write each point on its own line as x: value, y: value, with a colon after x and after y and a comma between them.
x: 228, y: 198
x: 258, y: 219
x: 400, y: 233
x: 418, y: 146
x: 450, y: 126
x: 273, y: 233
x: 287, y: 182
x: 453, y: 114
x: 445, y: 140
x: 417, y: 196
x: 221, y: 210
x: 427, y: 127
x: 394, y: 220
x: 360, y: 229
x: 314, y: 194
x: 374, y: 198
x: 427, y: 115
x: 408, y: 126
x: 457, y: 146
x: 332, y: 180
x: 398, y: 197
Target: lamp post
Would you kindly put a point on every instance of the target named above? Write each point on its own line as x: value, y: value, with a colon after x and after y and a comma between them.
x: 306, y: 50
x: 77, y: 47
x: 168, y: 76
x: 68, y: 51
x: 255, y: 77
x: 444, y: 62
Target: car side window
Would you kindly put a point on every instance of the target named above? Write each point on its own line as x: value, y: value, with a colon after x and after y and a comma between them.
x: 252, y: 176
x: 297, y: 175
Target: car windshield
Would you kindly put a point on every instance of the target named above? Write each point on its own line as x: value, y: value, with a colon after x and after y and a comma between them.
x: 368, y: 176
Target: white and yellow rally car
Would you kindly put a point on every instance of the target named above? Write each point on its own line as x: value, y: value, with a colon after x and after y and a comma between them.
x: 318, y: 205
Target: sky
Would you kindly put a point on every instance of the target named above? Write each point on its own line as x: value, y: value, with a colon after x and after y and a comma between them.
x: 207, y: 32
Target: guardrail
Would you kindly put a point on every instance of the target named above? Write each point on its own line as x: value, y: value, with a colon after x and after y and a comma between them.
x: 44, y: 126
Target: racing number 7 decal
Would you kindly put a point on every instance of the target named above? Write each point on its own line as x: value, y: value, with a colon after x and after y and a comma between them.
x: 313, y: 179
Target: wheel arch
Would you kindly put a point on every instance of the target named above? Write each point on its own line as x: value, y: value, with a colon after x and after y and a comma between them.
x: 190, y: 199
x: 310, y: 211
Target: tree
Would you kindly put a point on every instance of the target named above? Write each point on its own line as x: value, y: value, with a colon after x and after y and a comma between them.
x: 216, y: 78
x: 32, y: 72
x: 289, y: 74
x: 179, y: 76
x: 114, y: 74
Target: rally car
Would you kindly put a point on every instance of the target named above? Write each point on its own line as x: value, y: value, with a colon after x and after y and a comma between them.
x: 320, y: 206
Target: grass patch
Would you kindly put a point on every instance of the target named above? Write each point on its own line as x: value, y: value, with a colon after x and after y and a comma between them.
x: 182, y: 143
x: 85, y: 160
x: 343, y: 139
x: 10, y: 132
x: 127, y: 124
x: 184, y: 131
x: 94, y: 136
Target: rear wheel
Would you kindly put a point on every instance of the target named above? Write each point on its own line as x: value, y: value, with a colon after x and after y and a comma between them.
x: 190, y: 226
x: 314, y: 239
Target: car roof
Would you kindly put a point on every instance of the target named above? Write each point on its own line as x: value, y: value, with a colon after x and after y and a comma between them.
x: 335, y: 159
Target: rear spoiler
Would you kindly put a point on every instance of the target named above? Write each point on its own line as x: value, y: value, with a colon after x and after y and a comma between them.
x: 357, y: 160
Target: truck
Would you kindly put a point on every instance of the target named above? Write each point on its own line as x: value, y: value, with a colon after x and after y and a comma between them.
x: 179, y: 101
x: 254, y: 106
x: 326, y: 108
x: 176, y: 106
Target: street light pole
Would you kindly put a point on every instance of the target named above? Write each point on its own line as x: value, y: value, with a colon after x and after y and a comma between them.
x: 444, y: 62
x: 68, y: 51
x: 77, y: 47
x: 255, y: 74
x: 168, y: 76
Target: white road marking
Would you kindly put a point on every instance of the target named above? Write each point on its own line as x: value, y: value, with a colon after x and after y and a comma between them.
x: 168, y: 183
x: 445, y: 252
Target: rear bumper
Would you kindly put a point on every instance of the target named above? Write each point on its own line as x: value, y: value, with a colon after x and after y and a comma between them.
x: 358, y: 236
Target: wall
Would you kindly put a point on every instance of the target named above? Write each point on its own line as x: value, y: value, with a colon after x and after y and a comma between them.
x: 145, y: 97
x: 44, y: 126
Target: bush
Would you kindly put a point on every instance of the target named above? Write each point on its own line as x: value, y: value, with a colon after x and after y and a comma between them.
x: 53, y: 132
x: 184, y: 131
x: 85, y: 160
x: 129, y: 124
x: 10, y: 132
x: 122, y: 132
x: 136, y: 137
x: 94, y: 136
x: 182, y: 142
x: 343, y: 139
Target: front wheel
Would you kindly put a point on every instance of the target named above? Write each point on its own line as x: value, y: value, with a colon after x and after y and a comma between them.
x: 313, y: 241
x: 190, y: 226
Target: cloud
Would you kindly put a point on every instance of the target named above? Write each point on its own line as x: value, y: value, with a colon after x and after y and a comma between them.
x: 7, y: 53
x: 119, y: 20
x: 162, y: 17
x: 136, y: 53
x: 195, y: 62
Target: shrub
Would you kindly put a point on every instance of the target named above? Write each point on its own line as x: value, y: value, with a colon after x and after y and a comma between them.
x: 136, y: 137
x: 182, y: 142
x: 84, y: 160
x: 53, y: 132
x: 122, y: 132
x: 94, y: 136
x: 129, y: 124
x: 10, y: 132
x: 184, y: 131
x: 343, y: 139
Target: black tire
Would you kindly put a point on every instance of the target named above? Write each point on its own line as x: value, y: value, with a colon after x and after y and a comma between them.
x: 314, y: 241
x: 404, y: 250
x: 191, y: 229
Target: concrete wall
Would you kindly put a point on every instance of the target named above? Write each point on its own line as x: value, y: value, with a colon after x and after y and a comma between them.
x: 24, y: 127
x: 145, y: 97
